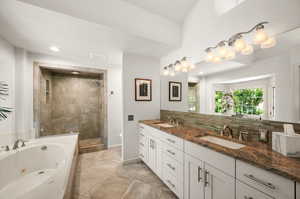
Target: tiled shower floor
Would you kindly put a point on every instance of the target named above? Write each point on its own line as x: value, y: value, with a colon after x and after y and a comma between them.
x: 101, y: 175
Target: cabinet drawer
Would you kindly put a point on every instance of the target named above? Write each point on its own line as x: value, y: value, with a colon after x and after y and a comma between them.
x: 244, y: 191
x: 173, y: 183
x: 274, y: 185
x: 143, y: 154
x: 142, y: 140
x: 221, y: 161
x: 173, y: 167
x: 173, y: 141
x: 173, y: 152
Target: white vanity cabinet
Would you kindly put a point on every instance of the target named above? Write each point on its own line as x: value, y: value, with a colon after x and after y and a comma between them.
x: 150, y: 149
x: 269, y: 183
x: 193, y: 171
x: 143, y: 144
x: 193, y: 178
x: 204, y: 181
x: 218, y: 185
x: 163, y: 154
x: 244, y: 191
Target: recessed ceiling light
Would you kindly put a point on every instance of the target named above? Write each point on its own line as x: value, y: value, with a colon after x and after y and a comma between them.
x: 54, y: 49
x: 201, y: 73
x: 75, y: 73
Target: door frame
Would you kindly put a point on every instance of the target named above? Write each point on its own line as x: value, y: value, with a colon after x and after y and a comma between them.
x: 38, y: 66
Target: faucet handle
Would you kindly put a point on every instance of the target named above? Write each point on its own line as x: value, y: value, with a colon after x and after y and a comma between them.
x: 6, y: 148
x: 242, y: 134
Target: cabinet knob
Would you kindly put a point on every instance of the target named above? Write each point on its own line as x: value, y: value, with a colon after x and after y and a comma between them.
x: 170, y: 183
x: 171, y: 167
x: 171, y: 152
x: 170, y: 140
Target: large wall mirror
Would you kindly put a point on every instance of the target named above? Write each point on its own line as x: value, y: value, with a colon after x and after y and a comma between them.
x: 264, y: 85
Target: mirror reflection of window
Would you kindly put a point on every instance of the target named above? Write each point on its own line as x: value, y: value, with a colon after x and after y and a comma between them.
x: 245, y: 101
x: 193, y: 98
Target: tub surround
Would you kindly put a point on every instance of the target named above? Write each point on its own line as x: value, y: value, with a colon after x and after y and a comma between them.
x: 49, y: 175
x: 257, y: 154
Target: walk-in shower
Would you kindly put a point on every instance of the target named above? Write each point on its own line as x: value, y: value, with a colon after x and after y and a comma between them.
x: 72, y: 101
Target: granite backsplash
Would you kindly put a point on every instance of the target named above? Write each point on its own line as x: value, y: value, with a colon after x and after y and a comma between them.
x: 217, y: 122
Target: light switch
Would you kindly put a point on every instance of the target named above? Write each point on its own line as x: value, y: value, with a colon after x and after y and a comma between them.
x: 130, y: 117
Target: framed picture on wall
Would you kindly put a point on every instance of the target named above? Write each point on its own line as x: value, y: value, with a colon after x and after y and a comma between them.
x: 175, y: 90
x: 143, y: 89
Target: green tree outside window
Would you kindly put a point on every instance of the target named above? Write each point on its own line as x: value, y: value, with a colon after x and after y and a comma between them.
x: 244, y: 101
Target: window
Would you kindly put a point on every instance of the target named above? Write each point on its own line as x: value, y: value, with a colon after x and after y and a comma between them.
x: 193, y: 97
x: 246, y: 101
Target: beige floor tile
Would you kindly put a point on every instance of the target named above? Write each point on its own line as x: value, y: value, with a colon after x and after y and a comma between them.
x: 101, y: 175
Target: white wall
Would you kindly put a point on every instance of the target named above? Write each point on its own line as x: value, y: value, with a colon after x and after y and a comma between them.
x: 171, y: 105
x: 21, y: 84
x: 7, y: 74
x: 204, y: 26
x: 136, y: 66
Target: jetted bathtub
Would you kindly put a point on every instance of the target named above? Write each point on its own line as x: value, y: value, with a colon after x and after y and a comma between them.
x: 40, y: 170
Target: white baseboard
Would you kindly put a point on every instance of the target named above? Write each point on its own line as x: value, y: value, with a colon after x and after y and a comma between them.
x: 114, y: 145
x: 131, y: 161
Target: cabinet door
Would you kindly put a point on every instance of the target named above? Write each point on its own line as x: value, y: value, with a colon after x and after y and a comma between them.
x: 194, y: 178
x: 152, y: 156
x: 218, y: 185
x: 243, y: 191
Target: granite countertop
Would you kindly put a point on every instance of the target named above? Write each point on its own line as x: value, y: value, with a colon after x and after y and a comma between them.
x: 257, y: 154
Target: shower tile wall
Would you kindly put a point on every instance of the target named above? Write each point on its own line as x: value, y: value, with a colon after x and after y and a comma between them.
x: 74, y: 105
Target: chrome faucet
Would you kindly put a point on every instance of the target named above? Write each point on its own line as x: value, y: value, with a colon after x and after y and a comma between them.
x: 16, y: 144
x: 6, y: 148
x: 227, y: 131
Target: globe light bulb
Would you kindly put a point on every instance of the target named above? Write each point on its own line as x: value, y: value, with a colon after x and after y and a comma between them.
x: 192, y: 66
x: 230, y: 55
x: 269, y: 43
x: 222, y: 51
x: 239, y: 45
x: 184, y: 62
x: 209, y: 57
x: 177, y: 66
x: 216, y: 59
x: 248, y: 50
x: 260, y: 36
x: 184, y: 69
x: 166, y: 71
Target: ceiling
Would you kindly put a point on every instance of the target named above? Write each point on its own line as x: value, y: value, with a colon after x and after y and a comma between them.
x: 175, y: 10
x: 80, y: 32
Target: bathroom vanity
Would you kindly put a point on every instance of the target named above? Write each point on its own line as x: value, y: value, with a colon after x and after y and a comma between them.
x: 194, y: 164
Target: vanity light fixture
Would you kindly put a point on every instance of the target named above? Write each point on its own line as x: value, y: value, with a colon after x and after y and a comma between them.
x: 227, y: 49
x: 182, y: 65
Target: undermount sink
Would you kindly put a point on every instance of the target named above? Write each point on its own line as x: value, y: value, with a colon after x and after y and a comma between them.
x: 222, y: 142
x: 165, y: 125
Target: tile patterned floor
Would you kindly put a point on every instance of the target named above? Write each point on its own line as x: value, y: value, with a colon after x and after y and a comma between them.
x: 101, y: 175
